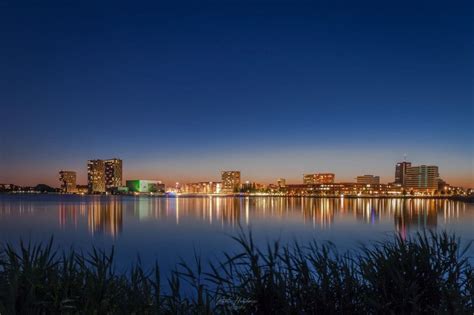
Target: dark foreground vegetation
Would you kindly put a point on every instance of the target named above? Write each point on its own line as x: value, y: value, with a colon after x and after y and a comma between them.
x: 429, y: 273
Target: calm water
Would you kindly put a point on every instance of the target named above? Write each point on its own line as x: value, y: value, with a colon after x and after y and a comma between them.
x: 167, y: 229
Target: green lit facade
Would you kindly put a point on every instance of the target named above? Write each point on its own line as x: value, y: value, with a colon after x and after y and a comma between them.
x: 144, y: 186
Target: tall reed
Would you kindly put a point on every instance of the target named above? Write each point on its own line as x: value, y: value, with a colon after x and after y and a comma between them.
x: 427, y: 273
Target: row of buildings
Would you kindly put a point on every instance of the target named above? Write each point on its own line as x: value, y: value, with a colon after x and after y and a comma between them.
x: 417, y: 177
x: 230, y: 183
x: 423, y: 179
x: 102, y: 175
x: 106, y: 176
x: 406, y: 175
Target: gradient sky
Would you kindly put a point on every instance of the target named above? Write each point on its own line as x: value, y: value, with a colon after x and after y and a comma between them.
x: 274, y: 88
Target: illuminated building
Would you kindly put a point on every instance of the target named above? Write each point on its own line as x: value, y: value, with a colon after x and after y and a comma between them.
x: 400, y: 172
x: 253, y: 187
x: 202, y: 188
x: 82, y: 189
x: 248, y: 186
x: 318, y: 178
x: 230, y: 181
x: 68, y: 181
x: 104, y: 175
x: 281, y: 182
x: 273, y: 189
x: 346, y: 189
x: 113, y: 173
x: 96, y: 176
x: 145, y: 186
x: 368, y: 179
x: 423, y: 177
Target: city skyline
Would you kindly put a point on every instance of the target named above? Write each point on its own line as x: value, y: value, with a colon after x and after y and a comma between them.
x: 274, y: 90
x: 143, y: 141
x: 81, y: 175
x: 106, y: 175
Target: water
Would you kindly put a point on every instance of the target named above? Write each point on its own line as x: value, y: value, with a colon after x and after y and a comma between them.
x: 170, y: 229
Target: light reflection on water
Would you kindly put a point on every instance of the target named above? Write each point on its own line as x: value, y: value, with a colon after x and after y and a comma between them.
x: 167, y: 228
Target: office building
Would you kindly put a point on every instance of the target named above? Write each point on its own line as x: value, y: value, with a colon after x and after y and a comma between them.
x: 68, y: 181
x: 318, y: 178
x: 113, y: 173
x: 230, y: 181
x: 145, y: 186
x: 368, y: 180
x: 400, y: 172
x: 423, y: 177
x: 96, y: 176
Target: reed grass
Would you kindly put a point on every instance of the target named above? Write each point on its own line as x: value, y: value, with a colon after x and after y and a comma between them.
x: 428, y: 273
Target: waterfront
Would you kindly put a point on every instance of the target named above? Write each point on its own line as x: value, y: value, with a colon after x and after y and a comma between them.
x: 167, y: 229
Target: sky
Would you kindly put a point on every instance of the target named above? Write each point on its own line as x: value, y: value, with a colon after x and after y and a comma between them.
x: 182, y: 90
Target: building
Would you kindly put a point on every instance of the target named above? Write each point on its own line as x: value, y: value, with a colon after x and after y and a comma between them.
x: 368, y: 180
x: 202, y: 188
x: 68, y: 181
x: 344, y: 189
x: 400, y: 172
x: 82, y: 189
x: 423, y: 177
x: 104, y: 175
x: 230, y: 181
x: 113, y: 173
x: 281, y: 183
x: 145, y: 186
x: 318, y: 178
x: 96, y: 176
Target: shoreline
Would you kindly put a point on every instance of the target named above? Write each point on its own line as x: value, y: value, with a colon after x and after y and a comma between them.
x: 468, y: 199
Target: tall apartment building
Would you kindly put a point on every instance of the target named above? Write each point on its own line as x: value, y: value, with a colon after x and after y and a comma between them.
x: 318, y: 178
x: 368, y: 180
x: 96, y: 176
x: 230, y: 181
x: 423, y: 177
x: 113, y: 173
x: 400, y: 172
x: 68, y: 181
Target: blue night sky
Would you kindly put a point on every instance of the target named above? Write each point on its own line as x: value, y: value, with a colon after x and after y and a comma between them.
x: 274, y: 88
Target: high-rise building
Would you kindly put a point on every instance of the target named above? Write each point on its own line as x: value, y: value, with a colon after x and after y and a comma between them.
x: 113, y: 173
x: 68, y: 181
x: 400, y: 172
x: 96, y: 176
x: 423, y: 177
x: 230, y: 181
x: 318, y: 178
x: 368, y: 180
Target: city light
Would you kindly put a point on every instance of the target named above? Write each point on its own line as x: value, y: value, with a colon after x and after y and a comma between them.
x: 105, y: 177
